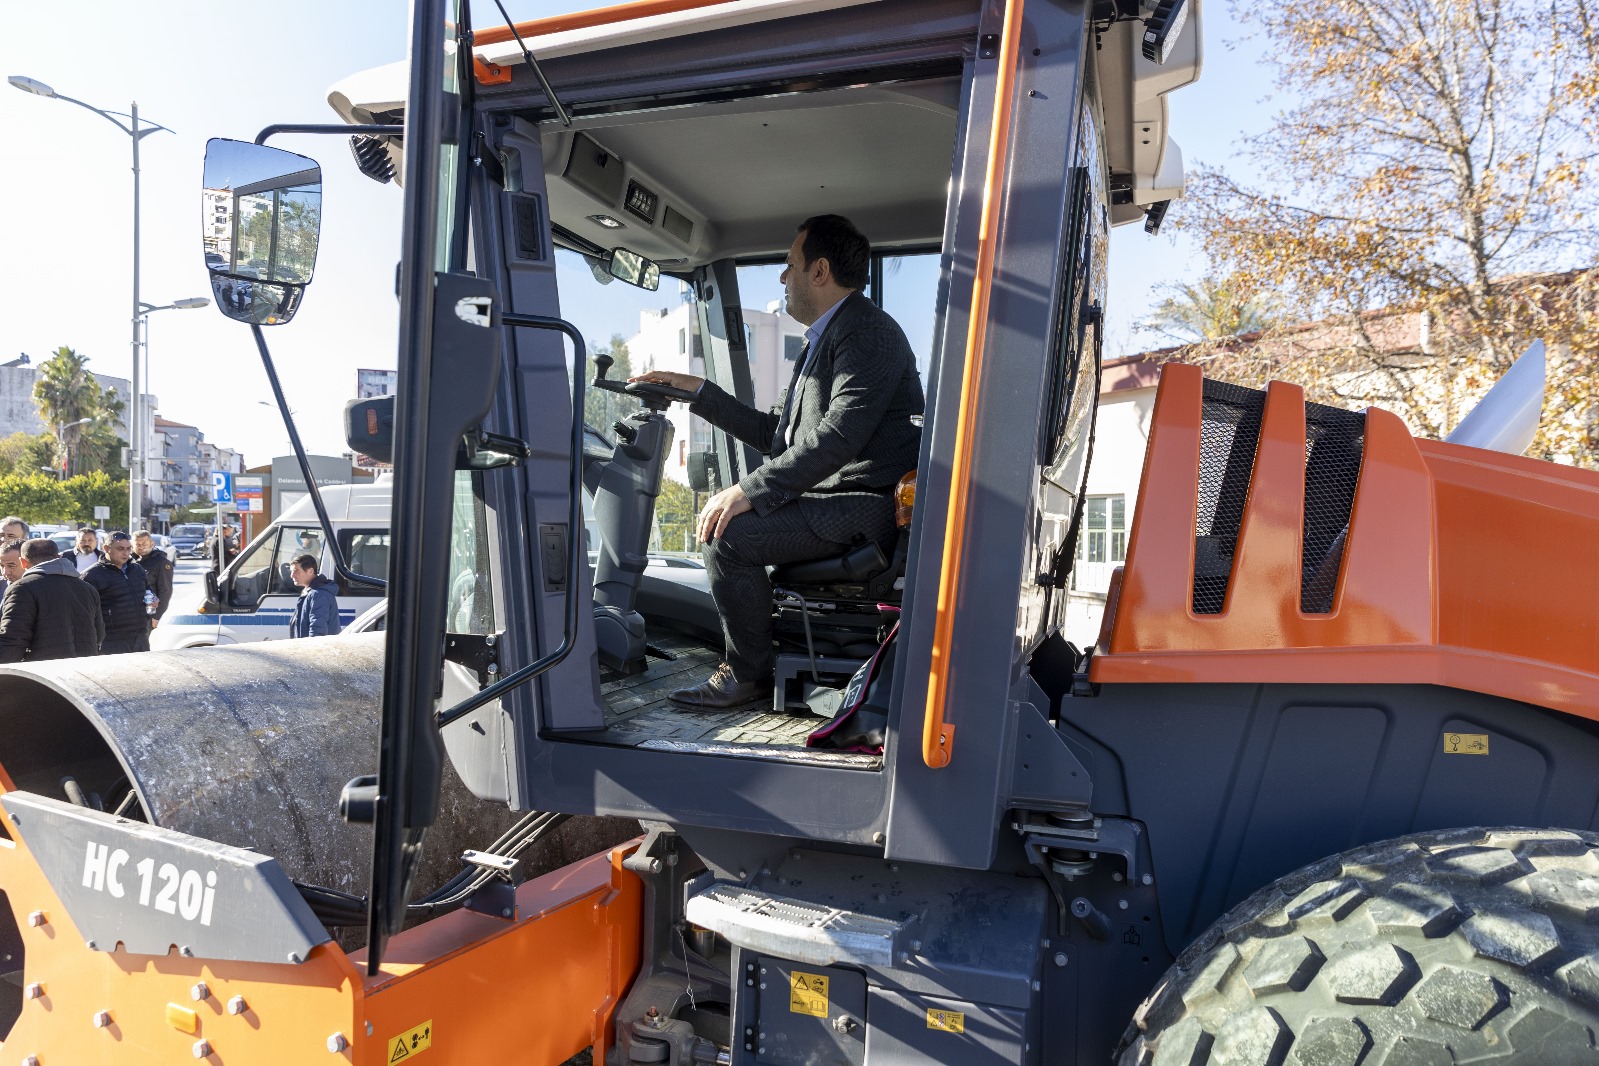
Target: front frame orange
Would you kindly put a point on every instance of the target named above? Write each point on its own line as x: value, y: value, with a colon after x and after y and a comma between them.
x: 537, y: 989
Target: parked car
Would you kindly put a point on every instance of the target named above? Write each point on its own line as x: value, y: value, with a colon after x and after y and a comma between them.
x: 188, y: 539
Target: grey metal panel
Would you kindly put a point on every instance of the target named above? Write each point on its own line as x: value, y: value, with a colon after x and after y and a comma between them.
x: 1240, y: 784
x: 727, y: 359
x: 951, y: 815
x: 787, y: 1034
x: 148, y: 890
x: 247, y: 745
x: 744, y: 794
x: 900, y: 1029
x: 534, y: 404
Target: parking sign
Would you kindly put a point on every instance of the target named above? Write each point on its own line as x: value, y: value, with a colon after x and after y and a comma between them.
x: 221, y: 487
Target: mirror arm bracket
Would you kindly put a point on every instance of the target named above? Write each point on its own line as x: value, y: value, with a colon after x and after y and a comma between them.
x: 329, y: 128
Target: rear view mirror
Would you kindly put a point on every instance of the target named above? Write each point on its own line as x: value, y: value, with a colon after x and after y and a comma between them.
x: 261, y: 217
x: 627, y: 265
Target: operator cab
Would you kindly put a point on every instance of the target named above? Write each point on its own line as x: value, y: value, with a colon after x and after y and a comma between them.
x: 645, y: 203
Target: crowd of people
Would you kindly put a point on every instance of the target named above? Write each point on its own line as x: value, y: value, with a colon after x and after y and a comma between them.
x: 93, y: 600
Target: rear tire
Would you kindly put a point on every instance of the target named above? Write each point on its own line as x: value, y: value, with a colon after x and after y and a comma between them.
x: 1467, y: 945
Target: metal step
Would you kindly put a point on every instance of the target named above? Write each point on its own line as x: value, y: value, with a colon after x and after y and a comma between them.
x: 798, y: 929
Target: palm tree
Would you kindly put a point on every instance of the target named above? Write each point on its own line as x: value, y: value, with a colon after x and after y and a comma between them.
x: 1210, y: 310
x: 66, y: 393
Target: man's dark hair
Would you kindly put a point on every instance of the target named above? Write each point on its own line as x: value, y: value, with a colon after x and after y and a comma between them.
x: 846, y: 249
x: 40, y: 550
x: 13, y: 545
x: 10, y: 518
x: 306, y: 562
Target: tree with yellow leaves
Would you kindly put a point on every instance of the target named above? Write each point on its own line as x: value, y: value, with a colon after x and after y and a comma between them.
x: 1438, y: 161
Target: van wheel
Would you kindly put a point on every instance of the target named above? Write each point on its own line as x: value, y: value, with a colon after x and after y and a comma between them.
x: 1467, y: 945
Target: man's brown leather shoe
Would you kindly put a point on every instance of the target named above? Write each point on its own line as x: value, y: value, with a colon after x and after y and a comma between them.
x: 721, y: 691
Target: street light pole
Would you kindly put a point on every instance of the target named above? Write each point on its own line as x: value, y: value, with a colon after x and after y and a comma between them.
x: 61, y: 444
x: 138, y: 439
x: 39, y: 88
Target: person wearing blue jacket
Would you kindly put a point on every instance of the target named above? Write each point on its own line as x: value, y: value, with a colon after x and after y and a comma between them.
x: 316, y: 612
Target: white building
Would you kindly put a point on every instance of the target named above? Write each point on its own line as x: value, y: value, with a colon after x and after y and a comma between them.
x: 667, y: 340
x: 1121, y: 436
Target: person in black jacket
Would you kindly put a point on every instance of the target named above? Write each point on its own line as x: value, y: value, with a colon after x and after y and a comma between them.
x: 843, y: 438
x: 157, y: 570
x: 121, y: 584
x: 48, y: 612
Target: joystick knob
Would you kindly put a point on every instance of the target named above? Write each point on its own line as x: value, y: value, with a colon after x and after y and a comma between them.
x: 602, y: 365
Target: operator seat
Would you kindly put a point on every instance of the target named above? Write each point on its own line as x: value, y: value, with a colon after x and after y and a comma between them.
x: 828, y: 608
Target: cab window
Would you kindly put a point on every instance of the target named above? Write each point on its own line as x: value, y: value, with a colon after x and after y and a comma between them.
x: 471, y: 597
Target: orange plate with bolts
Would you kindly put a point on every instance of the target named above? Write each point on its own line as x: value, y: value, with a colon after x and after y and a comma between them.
x: 462, y: 988
x: 1461, y: 567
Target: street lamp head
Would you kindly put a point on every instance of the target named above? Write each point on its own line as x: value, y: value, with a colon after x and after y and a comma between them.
x: 80, y: 422
x: 192, y: 301
x: 30, y: 85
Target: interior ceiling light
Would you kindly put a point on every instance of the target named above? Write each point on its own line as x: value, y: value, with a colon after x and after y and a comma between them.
x: 606, y: 220
x: 1162, y: 29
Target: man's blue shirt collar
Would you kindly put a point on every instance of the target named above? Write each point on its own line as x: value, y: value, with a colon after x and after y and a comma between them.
x: 814, y: 331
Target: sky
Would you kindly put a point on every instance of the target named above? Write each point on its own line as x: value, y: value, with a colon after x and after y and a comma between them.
x: 205, y: 70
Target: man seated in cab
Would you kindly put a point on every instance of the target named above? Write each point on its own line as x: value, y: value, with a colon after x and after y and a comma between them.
x: 841, y: 441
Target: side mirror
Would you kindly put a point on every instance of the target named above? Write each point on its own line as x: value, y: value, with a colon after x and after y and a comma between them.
x: 212, y: 593
x: 260, y: 221
x: 703, y: 472
x: 627, y: 265
x: 369, y: 427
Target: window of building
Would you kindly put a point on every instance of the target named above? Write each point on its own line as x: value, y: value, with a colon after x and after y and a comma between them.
x: 1104, y: 534
x: 682, y: 341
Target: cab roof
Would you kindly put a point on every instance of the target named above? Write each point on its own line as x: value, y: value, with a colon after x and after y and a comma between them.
x: 734, y: 175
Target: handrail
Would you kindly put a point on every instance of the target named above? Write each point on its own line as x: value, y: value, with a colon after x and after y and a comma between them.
x: 938, y: 735
x: 574, y: 540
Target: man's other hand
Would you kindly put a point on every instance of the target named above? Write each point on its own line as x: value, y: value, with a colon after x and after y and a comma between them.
x: 686, y: 382
x: 720, y: 509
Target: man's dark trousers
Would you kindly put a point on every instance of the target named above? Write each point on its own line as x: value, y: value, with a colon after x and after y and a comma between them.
x: 736, y: 563
x: 834, y: 453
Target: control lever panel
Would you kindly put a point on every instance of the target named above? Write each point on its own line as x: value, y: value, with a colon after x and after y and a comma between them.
x: 656, y: 397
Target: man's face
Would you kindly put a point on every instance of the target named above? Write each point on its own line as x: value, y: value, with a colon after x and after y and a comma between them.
x: 11, y: 565
x: 142, y: 545
x: 87, y: 540
x: 118, y: 551
x: 301, y: 577
x: 13, y: 531
x: 798, y: 297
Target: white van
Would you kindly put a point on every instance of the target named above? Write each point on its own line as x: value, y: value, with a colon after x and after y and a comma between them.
x: 254, y: 600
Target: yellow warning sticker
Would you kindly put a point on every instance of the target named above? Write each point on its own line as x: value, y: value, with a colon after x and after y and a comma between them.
x: 807, y: 994
x: 1465, y: 743
x: 411, y: 1042
x: 946, y: 1021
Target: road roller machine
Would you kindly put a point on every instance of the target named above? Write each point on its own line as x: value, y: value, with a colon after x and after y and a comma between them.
x: 1322, y: 791
x: 177, y: 880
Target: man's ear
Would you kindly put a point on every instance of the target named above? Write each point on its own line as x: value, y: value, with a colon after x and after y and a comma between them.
x: 821, y: 270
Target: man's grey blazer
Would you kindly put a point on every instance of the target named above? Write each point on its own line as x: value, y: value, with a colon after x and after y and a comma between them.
x: 851, y: 413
